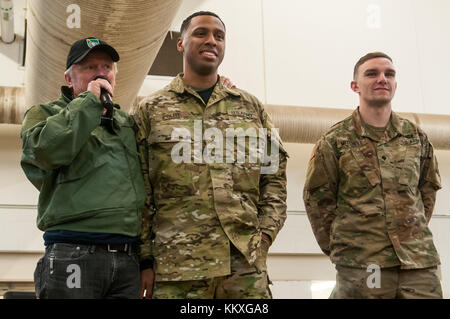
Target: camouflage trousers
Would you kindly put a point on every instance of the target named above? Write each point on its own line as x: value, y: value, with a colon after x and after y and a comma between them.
x: 244, y: 282
x: 393, y: 283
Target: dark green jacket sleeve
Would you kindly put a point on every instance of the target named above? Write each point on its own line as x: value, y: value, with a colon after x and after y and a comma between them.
x: 53, y: 135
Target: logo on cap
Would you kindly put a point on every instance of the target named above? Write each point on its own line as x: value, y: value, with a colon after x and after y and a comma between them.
x: 92, y: 42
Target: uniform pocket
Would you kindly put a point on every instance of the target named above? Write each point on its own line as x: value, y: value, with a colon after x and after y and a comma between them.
x: 410, y: 173
x: 171, y: 163
x: 244, y: 151
x: 246, y: 178
x: 367, y: 161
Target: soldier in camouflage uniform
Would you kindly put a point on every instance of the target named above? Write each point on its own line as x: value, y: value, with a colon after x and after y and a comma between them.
x: 370, y: 192
x: 208, y: 224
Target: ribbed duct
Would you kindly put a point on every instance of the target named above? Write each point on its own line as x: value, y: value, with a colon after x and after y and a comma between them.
x: 12, y: 104
x: 307, y: 124
x: 136, y: 29
x: 297, y: 124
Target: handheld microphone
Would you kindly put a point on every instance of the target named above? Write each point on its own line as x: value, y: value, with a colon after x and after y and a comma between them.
x: 105, y: 98
x: 104, y: 95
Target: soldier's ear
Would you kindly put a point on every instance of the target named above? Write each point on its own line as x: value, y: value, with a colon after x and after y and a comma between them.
x: 354, y: 86
x: 180, y: 47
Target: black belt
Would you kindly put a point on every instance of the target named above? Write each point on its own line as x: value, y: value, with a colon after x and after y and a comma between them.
x: 114, y: 248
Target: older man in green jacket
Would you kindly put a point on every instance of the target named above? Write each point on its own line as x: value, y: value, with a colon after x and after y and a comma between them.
x: 82, y: 157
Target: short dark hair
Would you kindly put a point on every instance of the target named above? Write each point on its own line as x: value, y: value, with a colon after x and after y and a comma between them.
x: 187, y: 21
x: 369, y: 56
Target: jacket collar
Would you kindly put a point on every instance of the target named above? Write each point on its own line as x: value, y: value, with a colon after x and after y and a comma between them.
x: 67, y: 96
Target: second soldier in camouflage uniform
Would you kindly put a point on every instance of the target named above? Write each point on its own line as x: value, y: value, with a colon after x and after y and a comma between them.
x: 209, y: 225
x: 370, y: 193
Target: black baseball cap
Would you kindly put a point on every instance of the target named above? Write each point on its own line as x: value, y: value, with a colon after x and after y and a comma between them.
x: 81, y: 48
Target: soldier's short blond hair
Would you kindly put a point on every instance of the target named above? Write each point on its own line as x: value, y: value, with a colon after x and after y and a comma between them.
x: 369, y: 56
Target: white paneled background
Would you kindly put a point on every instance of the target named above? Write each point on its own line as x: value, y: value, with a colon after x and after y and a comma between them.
x: 286, y: 52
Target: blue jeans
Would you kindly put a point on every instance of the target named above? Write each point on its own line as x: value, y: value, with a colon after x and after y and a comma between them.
x: 74, y: 271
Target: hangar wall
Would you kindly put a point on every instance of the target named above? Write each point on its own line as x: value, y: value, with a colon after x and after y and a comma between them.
x: 285, y: 52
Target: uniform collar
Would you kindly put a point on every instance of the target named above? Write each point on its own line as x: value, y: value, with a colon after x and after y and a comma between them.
x: 178, y: 86
x: 394, y: 126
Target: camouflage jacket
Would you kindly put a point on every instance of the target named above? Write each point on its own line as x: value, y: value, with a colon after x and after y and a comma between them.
x: 369, y: 201
x: 196, y: 207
